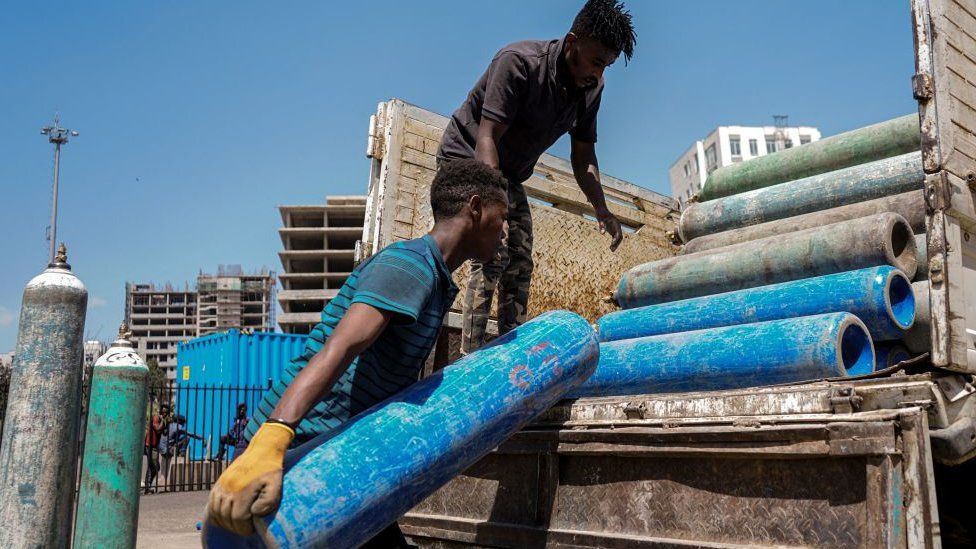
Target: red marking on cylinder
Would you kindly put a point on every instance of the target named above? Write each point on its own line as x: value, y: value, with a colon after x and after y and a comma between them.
x: 539, y: 347
x: 519, y: 376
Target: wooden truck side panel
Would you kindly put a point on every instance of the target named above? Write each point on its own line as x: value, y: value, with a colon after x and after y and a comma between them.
x: 945, y: 87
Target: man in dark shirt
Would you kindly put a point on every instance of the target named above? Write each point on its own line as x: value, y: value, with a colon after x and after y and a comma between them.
x: 532, y: 93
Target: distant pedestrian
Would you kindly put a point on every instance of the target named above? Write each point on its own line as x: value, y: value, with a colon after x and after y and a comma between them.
x: 173, y: 443
x: 235, y: 436
x: 154, y: 431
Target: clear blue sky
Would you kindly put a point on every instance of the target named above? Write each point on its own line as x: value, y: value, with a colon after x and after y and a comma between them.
x: 198, y: 118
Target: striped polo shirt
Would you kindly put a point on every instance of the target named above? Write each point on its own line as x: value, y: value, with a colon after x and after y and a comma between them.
x: 411, y: 280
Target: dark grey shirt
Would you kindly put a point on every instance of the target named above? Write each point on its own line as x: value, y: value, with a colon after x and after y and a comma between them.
x: 524, y: 88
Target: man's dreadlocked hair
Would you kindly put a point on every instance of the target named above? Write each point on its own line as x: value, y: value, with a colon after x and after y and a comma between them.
x: 608, y: 22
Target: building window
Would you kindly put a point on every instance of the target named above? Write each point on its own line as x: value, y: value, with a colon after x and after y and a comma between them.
x: 735, y: 146
x: 687, y: 169
x: 694, y: 163
x: 788, y: 143
x: 770, y: 144
x: 711, y: 162
x: 804, y: 139
x: 754, y: 147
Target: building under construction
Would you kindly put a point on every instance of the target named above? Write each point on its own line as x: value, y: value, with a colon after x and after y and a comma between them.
x: 233, y: 299
x: 319, y: 244
x: 162, y: 316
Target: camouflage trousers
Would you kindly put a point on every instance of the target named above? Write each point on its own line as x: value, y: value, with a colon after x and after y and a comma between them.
x: 510, y: 271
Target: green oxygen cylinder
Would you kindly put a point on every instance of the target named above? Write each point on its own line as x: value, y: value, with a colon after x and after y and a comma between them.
x: 108, y: 499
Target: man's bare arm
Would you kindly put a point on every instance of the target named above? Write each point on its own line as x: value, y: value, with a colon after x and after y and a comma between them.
x: 486, y: 144
x: 587, y: 173
x: 357, y: 330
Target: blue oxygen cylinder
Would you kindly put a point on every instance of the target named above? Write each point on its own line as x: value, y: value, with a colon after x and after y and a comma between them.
x: 880, y: 296
x: 392, y: 456
x: 747, y: 355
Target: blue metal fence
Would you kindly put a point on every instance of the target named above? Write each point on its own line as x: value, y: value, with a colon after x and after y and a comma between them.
x: 200, y: 415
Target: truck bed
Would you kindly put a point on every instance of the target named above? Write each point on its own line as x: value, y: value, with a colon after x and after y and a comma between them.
x: 824, y: 464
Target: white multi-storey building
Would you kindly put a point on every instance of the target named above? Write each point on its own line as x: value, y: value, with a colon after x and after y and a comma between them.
x: 727, y: 145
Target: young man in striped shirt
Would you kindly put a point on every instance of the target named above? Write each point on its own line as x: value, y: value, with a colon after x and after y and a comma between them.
x: 371, y: 343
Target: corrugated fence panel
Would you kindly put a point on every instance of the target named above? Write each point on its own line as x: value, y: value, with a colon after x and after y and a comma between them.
x: 217, y: 372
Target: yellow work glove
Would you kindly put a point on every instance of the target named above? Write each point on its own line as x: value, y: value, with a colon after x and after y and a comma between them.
x: 251, y: 486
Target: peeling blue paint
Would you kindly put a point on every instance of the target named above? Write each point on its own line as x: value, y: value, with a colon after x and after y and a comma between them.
x: 880, y: 296
x: 395, y: 454
x: 747, y: 355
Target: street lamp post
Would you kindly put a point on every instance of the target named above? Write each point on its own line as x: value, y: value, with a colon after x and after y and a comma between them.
x: 59, y: 136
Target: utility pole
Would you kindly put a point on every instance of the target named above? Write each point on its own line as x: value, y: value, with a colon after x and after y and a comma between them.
x: 59, y: 136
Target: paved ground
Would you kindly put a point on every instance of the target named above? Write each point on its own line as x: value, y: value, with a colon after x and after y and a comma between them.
x: 170, y: 520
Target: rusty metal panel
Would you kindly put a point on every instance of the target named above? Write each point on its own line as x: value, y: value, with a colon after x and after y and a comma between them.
x: 811, y: 502
x: 857, y: 482
x: 479, y: 492
x: 403, y: 143
x: 945, y: 87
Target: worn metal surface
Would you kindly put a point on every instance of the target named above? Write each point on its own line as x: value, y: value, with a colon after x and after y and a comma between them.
x: 897, y: 175
x: 794, y: 349
x: 38, y: 455
x: 919, y: 338
x: 806, y: 402
x: 404, y: 144
x: 388, y: 459
x: 230, y: 359
x: 921, y: 257
x: 860, y: 146
x: 233, y: 358
x: 108, y: 498
x: 910, y: 205
x: 880, y: 296
x: 883, y: 239
x: 836, y: 482
x: 945, y: 86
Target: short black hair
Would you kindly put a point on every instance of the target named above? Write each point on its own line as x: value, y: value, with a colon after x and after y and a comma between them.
x: 458, y: 180
x: 608, y: 22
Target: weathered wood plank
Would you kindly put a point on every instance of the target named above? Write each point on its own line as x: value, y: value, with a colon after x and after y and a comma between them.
x: 960, y: 65
x: 574, y: 200
x: 963, y: 115
x: 413, y: 141
x: 419, y: 158
x: 961, y: 14
x: 965, y: 143
x: 956, y: 33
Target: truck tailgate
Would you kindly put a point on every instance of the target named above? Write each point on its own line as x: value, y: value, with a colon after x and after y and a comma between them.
x: 627, y: 472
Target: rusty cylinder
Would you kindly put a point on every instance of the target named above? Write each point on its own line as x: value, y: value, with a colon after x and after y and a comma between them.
x: 882, y: 239
x: 883, y: 140
x: 918, y: 339
x: 108, y: 499
x: 39, y: 452
x: 889, y: 353
x: 811, y: 194
x: 910, y: 205
x: 921, y: 257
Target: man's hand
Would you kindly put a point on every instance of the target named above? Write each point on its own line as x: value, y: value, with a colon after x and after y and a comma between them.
x: 587, y: 172
x: 251, y: 486
x: 609, y: 224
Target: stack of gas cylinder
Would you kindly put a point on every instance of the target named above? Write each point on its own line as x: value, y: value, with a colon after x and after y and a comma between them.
x: 797, y: 265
